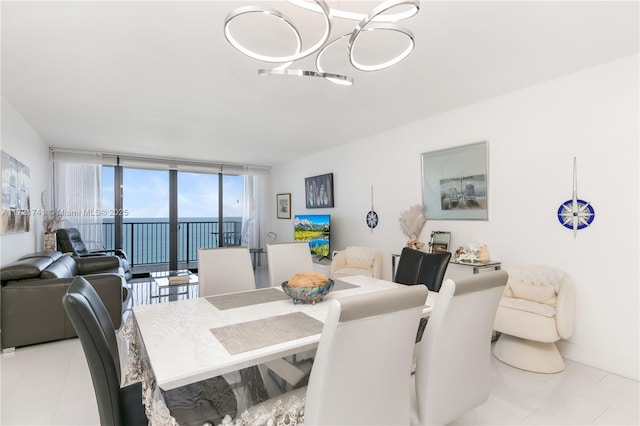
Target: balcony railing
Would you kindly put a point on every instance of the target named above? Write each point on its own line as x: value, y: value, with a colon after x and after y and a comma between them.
x: 147, y: 243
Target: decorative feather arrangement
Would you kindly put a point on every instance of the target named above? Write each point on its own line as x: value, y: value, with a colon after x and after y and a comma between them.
x: 412, y: 221
x: 51, y: 219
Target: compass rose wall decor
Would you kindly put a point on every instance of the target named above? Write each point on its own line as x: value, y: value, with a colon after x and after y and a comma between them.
x: 575, y: 213
x: 372, y: 216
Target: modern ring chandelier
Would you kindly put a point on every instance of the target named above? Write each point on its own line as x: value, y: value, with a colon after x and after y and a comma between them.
x: 381, y: 18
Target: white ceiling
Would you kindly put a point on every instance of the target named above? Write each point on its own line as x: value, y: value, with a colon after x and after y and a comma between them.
x: 158, y: 78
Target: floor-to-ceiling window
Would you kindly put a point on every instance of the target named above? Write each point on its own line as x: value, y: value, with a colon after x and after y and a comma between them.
x: 162, y: 211
x: 209, y: 213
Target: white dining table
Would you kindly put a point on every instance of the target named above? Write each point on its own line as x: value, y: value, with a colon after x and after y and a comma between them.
x: 181, y: 348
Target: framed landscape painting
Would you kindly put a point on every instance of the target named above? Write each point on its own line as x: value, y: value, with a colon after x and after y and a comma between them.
x: 455, y: 183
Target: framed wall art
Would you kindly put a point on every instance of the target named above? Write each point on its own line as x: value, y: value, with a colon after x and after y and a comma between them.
x: 455, y: 183
x: 16, y: 204
x: 439, y: 242
x: 319, y: 191
x: 283, y: 203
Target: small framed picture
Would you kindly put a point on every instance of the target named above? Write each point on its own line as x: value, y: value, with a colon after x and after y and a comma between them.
x: 283, y: 203
x: 439, y: 241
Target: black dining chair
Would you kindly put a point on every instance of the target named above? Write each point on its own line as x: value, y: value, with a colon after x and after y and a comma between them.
x: 418, y: 267
x: 203, y: 402
x: 117, y: 406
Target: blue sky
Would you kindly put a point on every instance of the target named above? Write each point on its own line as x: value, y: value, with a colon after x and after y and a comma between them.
x: 146, y: 193
x: 315, y: 218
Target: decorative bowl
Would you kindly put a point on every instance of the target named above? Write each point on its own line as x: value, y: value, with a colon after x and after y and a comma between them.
x: 307, y: 294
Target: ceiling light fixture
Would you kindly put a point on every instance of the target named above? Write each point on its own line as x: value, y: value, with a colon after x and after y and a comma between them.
x: 380, y: 19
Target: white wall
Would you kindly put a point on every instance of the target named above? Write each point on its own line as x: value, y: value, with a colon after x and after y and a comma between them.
x: 533, y: 135
x: 22, y: 142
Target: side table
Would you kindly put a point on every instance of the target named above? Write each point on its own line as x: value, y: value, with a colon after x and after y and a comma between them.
x: 171, y: 291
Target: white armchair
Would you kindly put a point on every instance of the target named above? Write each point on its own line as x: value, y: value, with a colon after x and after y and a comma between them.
x: 356, y: 261
x: 535, y: 311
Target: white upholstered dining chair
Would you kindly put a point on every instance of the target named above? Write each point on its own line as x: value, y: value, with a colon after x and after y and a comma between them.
x: 361, y: 374
x: 229, y: 270
x: 287, y: 259
x: 225, y: 270
x: 453, y: 365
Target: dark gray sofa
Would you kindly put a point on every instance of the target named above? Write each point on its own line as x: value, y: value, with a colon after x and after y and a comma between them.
x: 32, y: 290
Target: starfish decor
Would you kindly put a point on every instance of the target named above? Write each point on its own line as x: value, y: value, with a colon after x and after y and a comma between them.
x: 575, y: 213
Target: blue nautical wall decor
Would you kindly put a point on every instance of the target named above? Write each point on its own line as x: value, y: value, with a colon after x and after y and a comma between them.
x: 575, y: 213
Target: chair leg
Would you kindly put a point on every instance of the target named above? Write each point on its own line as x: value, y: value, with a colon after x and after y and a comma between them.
x: 537, y: 357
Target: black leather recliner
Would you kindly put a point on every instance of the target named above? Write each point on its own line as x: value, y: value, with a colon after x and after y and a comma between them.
x: 69, y: 240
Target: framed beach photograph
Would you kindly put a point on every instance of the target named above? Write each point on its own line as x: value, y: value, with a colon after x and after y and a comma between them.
x: 455, y: 183
x: 319, y: 191
x: 283, y: 201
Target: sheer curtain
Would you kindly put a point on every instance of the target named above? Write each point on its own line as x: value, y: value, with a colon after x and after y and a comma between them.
x: 254, y: 206
x: 76, y: 192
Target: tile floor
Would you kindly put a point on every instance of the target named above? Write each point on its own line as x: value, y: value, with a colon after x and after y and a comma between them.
x: 50, y: 384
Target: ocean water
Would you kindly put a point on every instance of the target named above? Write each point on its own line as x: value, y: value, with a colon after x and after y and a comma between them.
x: 146, y: 240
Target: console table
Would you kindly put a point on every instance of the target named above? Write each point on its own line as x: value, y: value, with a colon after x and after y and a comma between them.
x: 477, y: 267
x: 456, y: 268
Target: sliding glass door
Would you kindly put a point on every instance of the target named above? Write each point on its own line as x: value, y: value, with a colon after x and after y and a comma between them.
x: 197, y: 214
x: 208, y: 213
x: 145, y: 227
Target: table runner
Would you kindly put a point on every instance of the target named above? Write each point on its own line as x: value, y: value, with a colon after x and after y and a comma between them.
x: 341, y: 285
x: 247, y: 336
x: 246, y: 298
